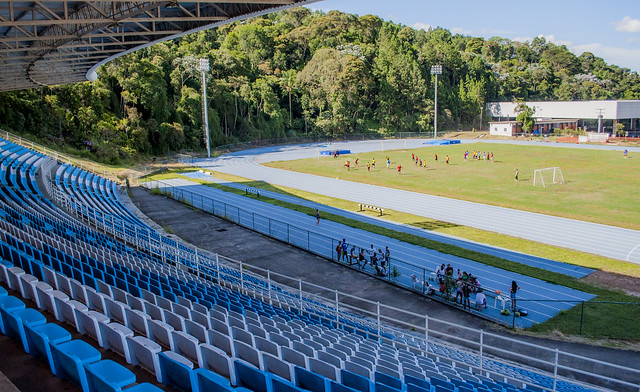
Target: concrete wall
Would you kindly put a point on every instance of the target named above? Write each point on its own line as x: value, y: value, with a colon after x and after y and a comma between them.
x: 501, y: 129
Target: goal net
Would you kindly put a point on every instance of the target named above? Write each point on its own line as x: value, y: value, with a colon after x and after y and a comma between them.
x: 547, y: 176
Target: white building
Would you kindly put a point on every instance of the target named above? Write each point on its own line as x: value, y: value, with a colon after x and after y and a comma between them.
x: 607, y: 112
x: 513, y: 128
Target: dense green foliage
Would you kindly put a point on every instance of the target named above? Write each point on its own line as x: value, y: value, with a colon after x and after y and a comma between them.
x: 299, y: 72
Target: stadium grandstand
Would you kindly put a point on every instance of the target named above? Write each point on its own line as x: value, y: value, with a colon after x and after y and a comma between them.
x: 95, y: 295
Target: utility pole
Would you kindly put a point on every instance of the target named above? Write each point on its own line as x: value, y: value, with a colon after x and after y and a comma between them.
x: 436, y: 70
x: 203, y: 67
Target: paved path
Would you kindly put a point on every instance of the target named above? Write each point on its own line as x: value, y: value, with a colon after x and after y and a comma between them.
x: 609, y: 241
x: 301, y: 230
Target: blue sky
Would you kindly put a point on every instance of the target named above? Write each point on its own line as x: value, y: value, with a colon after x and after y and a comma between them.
x: 609, y: 29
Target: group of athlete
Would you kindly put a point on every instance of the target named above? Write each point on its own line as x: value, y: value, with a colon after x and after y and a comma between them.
x: 377, y: 259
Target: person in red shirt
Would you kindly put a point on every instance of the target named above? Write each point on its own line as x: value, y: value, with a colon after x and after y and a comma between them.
x: 399, y: 169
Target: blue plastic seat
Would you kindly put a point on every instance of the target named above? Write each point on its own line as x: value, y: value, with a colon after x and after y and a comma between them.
x: 9, y: 303
x: 337, y: 387
x: 69, y: 359
x: 251, y: 377
x: 177, y: 370
x: 310, y: 381
x: 108, y: 376
x: 211, y: 382
x: 410, y: 380
x: 40, y: 337
x: 388, y: 380
x: 15, y: 322
x: 355, y: 381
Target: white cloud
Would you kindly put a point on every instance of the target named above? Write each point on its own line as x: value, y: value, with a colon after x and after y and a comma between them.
x: 421, y: 26
x: 552, y: 38
x: 460, y: 30
x: 627, y: 25
x: 522, y: 39
x: 623, y: 57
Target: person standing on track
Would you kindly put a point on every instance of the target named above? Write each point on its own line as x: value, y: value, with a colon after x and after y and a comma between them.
x: 514, y: 289
x: 345, y: 248
x: 317, y: 217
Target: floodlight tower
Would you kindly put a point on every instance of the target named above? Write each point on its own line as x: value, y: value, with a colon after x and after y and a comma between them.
x: 203, y: 67
x: 436, y: 70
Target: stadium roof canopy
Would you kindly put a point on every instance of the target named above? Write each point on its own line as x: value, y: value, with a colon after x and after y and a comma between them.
x: 45, y: 42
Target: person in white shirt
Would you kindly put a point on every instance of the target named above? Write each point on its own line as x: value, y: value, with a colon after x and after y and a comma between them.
x: 481, y: 300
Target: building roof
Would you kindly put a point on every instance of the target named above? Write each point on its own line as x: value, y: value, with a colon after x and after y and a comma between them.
x: 45, y: 42
x: 540, y: 121
x: 609, y: 110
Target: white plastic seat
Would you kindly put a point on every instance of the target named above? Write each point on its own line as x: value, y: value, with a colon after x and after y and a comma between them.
x: 49, y: 276
x: 303, y: 348
x: 217, y: 361
x: 323, y: 368
x: 247, y: 353
x: 135, y: 302
x: 78, y: 291
x: 13, y: 277
x: 137, y: 321
x: 200, y: 318
x: 242, y: 335
x: 186, y: 345
x: 66, y: 310
x: 114, y: 336
x: 294, y: 357
x: 88, y: 324
x: 221, y: 341
x: 44, y: 287
x: 96, y: 300
x: 267, y: 346
x: 115, y: 310
x: 174, y: 319
x: 277, y: 366
x: 154, y: 311
x: 220, y: 326
x: 196, y: 330
x: 26, y: 283
x: 63, y: 284
x: 181, y: 310
x: 357, y: 369
x: 144, y: 352
x: 160, y: 332
x: 329, y: 358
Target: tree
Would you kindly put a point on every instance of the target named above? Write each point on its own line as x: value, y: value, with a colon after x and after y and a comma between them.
x: 288, y: 81
x: 525, y: 116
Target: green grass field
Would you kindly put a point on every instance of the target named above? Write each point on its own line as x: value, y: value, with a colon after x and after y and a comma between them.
x: 600, y: 186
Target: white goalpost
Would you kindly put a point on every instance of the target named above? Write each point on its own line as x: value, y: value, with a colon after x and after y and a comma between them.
x: 548, y: 176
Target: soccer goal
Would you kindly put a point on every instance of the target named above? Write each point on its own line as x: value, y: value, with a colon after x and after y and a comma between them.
x: 547, y: 176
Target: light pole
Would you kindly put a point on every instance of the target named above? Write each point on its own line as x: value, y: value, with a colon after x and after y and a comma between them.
x: 436, y: 70
x: 203, y: 67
